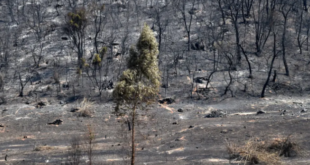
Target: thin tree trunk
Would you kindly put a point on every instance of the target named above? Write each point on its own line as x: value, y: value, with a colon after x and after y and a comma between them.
x: 242, y: 11
x: 90, y: 151
x: 305, y: 5
x: 222, y: 12
x: 299, y: 42
x: 308, y: 29
x: 133, y: 148
x: 237, y: 42
x: 247, y: 59
x: 271, y: 65
x: 188, y: 41
x: 287, y: 73
x: 159, y: 38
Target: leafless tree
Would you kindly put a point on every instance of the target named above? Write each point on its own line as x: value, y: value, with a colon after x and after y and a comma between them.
x: 186, y: 16
x: 285, y: 9
x: 99, y: 21
x: 37, y: 14
x: 275, y: 54
x: 262, y: 29
x: 75, y: 154
x: 234, y: 7
x: 75, y: 27
x: 300, y: 26
x: 11, y: 9
x: 221, y: 5
x: 37, y: 56
x: 24, y: 79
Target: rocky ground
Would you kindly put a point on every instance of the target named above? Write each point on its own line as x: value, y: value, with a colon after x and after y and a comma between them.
x: 46, y: 125
x: 184, y: 132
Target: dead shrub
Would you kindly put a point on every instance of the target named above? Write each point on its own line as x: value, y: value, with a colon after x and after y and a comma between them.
x: 75, y: 152
x: 40, y: 104
x: 256, y: 151
x: 44, y: 148
x: 85, y: 109
x: 252, y: 152
x: 284, y: 147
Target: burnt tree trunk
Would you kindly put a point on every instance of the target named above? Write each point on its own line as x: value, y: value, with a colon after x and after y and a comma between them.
x: 133, y: 148
x: 271, y: 65
x: 247, y: 60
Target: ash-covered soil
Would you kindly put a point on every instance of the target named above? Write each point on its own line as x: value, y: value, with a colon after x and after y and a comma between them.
x: 198, y: 120
x: 184, y: 132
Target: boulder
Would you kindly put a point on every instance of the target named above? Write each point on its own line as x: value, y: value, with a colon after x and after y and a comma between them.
x: 198, y: 46
x: 56, y: 122
x: 260, y: 112
x: 40, y: 104
x: 74, y: 110
x: 64, y: 38
x: 216, y: 113
x: 200, y: 80
x: 166, y: 101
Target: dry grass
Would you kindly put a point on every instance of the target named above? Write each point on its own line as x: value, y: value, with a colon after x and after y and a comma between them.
x: 256, y: 151
x: 284, y: 147
x: 86, y: 108
x: 44, y: 148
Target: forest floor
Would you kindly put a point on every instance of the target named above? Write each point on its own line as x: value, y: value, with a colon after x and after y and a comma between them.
x: 177, y: 133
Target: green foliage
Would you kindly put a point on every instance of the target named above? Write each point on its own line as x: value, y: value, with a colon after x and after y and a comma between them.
x: 97, y: 60
x: 78, y: 71
x: 77, y: 19
x: 140, y: 82
x: 84, y: 63
x: 102, y: 7
x: 103, y: 52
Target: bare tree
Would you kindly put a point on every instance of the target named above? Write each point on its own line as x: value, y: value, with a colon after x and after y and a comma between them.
x: 220, y: 5
x: 161, y: 20
x: 24, y: 79
x: 37, y: 56
x: 234, y: 7
x: 37, y: 14
x: 285, y: 8
x: 186, y: 16
x: 5, y: 40
x: 275, y: 54
x: 76, y: 29
x: 75, y: 154
x: 99, y: 22
x: 11, y: 7
x: 299, y: 27
x: 262, y: 29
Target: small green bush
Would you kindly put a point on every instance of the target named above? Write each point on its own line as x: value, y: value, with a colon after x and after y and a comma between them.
x: 77, y: 19
x: 97, y: 60
x: 103, y: 52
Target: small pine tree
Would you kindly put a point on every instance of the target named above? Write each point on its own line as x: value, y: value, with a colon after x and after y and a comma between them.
x: 75, y: 27
x: 103, y: 52
x: 97, y: 60
x: 139, y: 84
x: 77, y: 19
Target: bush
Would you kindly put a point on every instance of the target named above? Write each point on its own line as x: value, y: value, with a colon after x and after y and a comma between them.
x: 97, y: 60
x: 284, y: 147
x: 85, y: 109
x: 44, y: 148
x: 103, y: 52
x: 252, y: 152
x: 77, y: 19
x: 256, y: 151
